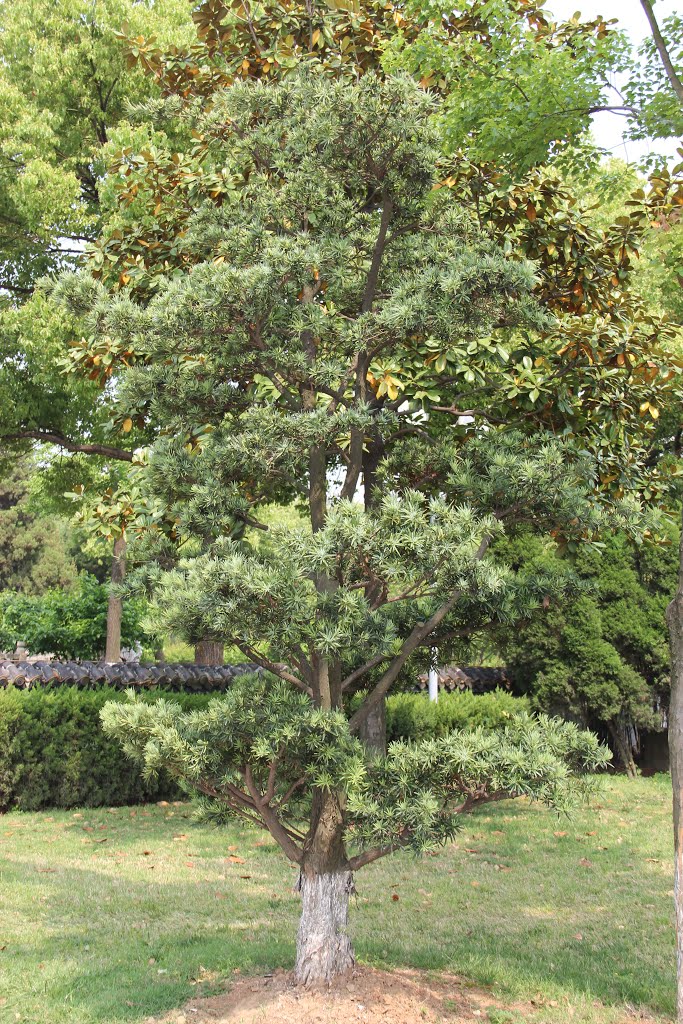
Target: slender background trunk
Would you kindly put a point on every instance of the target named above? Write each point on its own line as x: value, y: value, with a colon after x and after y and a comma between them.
x: 373, y: 730
x: 209, y: 652
x: 623, y: 748
x: 112, y: 652
x: 674, y: 616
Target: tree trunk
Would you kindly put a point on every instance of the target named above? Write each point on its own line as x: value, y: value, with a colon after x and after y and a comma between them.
x: 623, y: 749
x: 674, y: 617
x: 373, y: 730
x: 209, y: 652
x: 323, y: 947
x: 112, y: 653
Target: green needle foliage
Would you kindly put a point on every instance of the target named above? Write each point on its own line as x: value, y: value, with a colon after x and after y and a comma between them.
x: 331, y: 262
x: 264, y: 738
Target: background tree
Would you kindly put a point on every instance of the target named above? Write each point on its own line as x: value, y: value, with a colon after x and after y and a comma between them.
x: 35, y: 550
x: 602, y: 656
x: 65, y: 84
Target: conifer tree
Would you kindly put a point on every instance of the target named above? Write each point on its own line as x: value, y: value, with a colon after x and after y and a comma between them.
x: 271, y: 363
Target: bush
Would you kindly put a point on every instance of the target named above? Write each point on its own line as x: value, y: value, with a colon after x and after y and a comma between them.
x: 54, y: 753
x: 412, y: 716
x: 69, y: 623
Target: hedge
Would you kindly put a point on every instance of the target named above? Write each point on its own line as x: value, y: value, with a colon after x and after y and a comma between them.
x: 53, y: 752
x: 413, y: 716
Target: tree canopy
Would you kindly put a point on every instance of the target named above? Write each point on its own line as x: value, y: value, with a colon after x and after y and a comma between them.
x: 331, y: 263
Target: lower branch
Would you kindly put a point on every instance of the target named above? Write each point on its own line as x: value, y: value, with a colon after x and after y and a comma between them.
x: 277, y: 668
x: 48, y: 437
x: 416, y: 638
x: 277, y: 830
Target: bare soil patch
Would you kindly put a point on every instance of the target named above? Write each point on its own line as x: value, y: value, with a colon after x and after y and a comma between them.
x: 367, y: 996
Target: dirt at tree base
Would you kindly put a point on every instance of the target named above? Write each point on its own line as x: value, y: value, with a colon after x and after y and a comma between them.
x: 367, y: 996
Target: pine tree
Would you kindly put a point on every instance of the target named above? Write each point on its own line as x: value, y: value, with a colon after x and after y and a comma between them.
x: 272, y: 365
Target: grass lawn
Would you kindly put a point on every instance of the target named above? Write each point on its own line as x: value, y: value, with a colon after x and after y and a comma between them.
x: 109, y: 916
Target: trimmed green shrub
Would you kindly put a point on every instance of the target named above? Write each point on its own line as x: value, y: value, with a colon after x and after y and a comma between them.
x: 54, y: 753
x: 70, y: 623
x: 412, y: 716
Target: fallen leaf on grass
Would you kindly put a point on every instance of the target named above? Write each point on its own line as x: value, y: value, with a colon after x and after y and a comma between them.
x: 586, y: 863
x: 578, y: 937
x: 180, y: 838
x: 46, y: 871
x: 245, y: 877
x: 100, y: 840
x: 395, y: 896
x: 559, y: 834
x: 236, y: 860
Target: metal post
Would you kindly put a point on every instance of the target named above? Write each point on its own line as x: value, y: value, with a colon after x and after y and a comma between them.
x: 433, y: 677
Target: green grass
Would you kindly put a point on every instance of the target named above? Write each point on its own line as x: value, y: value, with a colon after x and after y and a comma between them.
x: 112, y: 915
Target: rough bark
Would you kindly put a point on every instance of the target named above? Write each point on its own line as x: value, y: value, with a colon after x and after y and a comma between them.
x: 112, y: 653
x: 323, y: 948
x: 373, y: 729
x: 674, y: 616
x: 623, y: 749
x: 209, y: 652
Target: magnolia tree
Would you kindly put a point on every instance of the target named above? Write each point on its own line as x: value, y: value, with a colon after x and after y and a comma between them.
x: 274, y: 365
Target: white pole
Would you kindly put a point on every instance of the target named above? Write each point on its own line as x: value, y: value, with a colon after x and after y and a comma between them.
x: 433, y: 677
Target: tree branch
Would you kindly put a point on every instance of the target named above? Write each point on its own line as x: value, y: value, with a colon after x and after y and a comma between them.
x: 273, y: 823
x: 49, y: 437
x: 363, y: 670
x: 277, y: 668
x: 419, y: 633
x: 662, y: 50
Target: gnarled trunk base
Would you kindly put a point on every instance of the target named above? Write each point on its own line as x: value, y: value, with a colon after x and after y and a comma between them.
x: 323, y: 947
